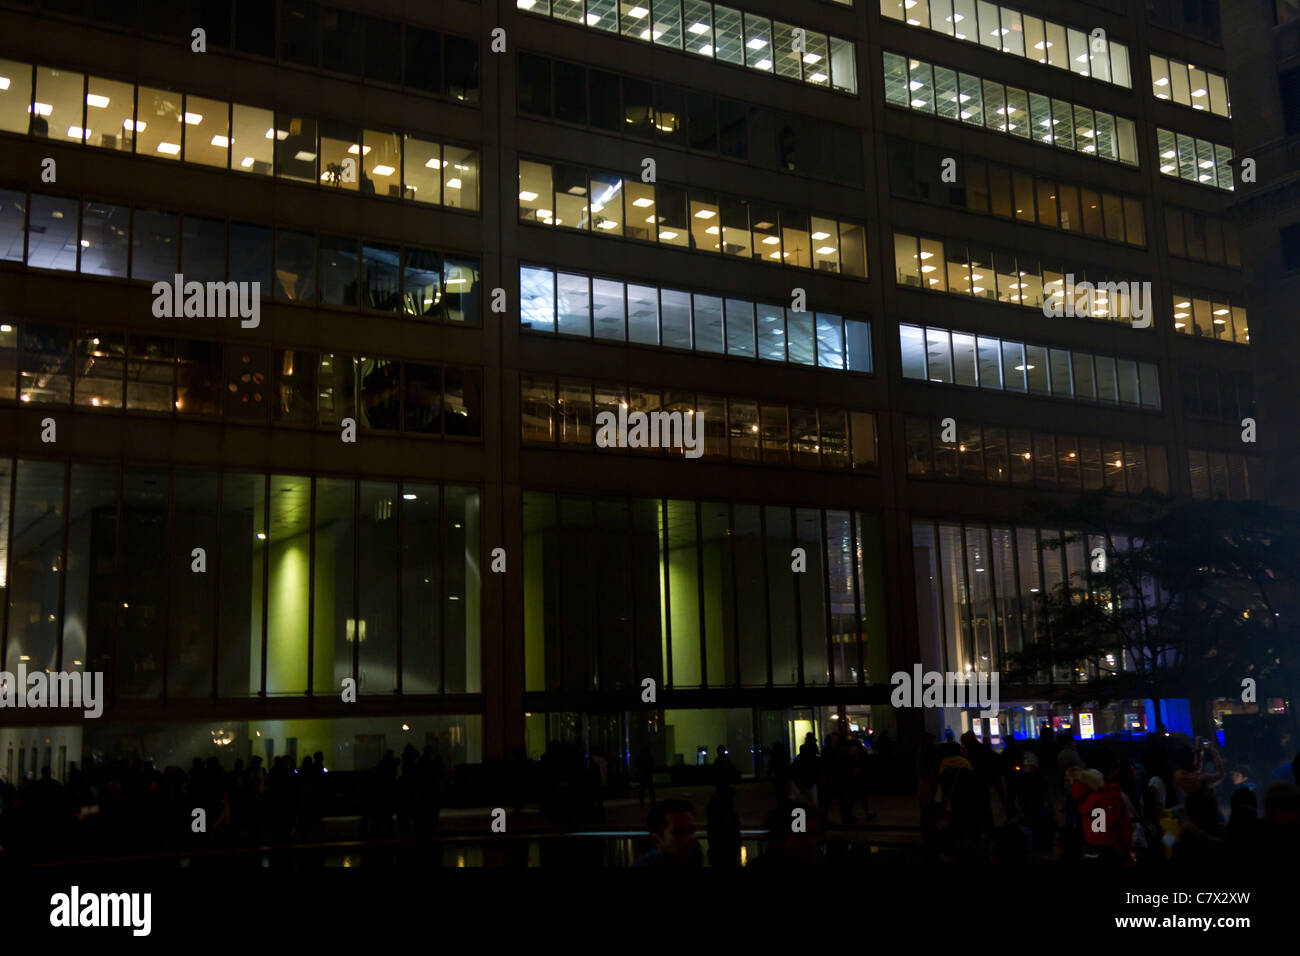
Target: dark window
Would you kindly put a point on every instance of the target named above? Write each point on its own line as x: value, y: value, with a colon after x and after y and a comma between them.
x: 383, y: 50
x: 338, y: 270
x: 702, y: 122
x: 603, y: 97
x: 764, y: 147
x: 379, y: 277
x: 255, y: 27
x: 423, y: 58
x: 733, y: 129
x: 1291, y: 246
x: 295, y: 265
x: 300, y: 32
x: 847, y: 146
x: 250, y: 254
x: 1290, y: 85
x: 423, y: 398
x: 341, y: 41
x: 535, y: 85
x: 462, y: 69
x: 203, y: 249
x: 570, y: 93
x: 162, y: 17
x: 214, y: 17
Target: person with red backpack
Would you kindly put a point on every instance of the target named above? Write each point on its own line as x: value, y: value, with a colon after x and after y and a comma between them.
x: 1104, y: 811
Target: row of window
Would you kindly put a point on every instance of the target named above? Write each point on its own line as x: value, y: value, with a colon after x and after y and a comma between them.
x: 101, y: 368
x: 961, y: 358
x: 72, y: 107
x: 309, y: 34
x: 1010, y: 31
x: 308, y: 581
x: 937, y: 90
x: 1216, y: 393
x: 979, y: 590
x: 721, y: 33
x: 1210, y: 318
x: 957, y: 268
x: 1217, y: 475
x: 915, y: 171
x: 574, y: 197
x: 1000, y: 455
x: 672, y: 115
x: 698, y: 594
x: 1194, y: 160
x: 1188, y: 85
x: 595, y: 307
x: 103, y: 239
x: 736, y: 429
x: 1202, y: 236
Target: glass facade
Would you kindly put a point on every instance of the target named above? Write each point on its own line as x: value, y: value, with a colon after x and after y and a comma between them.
x: 962, y: 358
x: 915, y: 172
x: 231, y: 584
x: 735, y: 429
x: 1212, y: 318
x: 203, y: 379
x: 292, y: 266
x: 995, y: 454
x: 172, y: 125
x: 670, y: 115
x: 1216, y: 474
x: 1195, y: 160
x: 593, y: 307
x: 572, y: 197
x: 699, y: 594
x: 943, y: 92
x: 940, y: 265
x: 1188, y: 85
x: 1007, y: 30
x: 721, y: 33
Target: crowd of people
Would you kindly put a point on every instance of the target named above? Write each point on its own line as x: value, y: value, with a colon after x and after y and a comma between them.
x: 1168, y: 801
x: 126, y: 808
x: 1040, y: 801
x: 1177, y: 803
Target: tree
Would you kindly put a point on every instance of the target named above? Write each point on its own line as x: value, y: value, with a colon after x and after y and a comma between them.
x: 1179, y: 600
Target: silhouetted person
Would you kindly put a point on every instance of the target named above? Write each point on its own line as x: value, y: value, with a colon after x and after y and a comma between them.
x: 794, y: 833
x: 724, y: 827
x: 672, y: 836
x: 645, y: 774
x: 724, y: 771
x: 778, y: 767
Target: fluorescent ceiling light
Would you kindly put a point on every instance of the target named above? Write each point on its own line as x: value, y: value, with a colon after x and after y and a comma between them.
x: 93, y: 99
x: 220, y: 141
x: 171, y: 149
x: 698, y: 28
x: 756, y: 43
x: 636, y: 13
x: 453, y: 184
x: 303, y: 156
x: 383, y: 170
x: 193, y: 119
x: 643, y: 202
x: 705, y: 214
x: 527, y: 196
